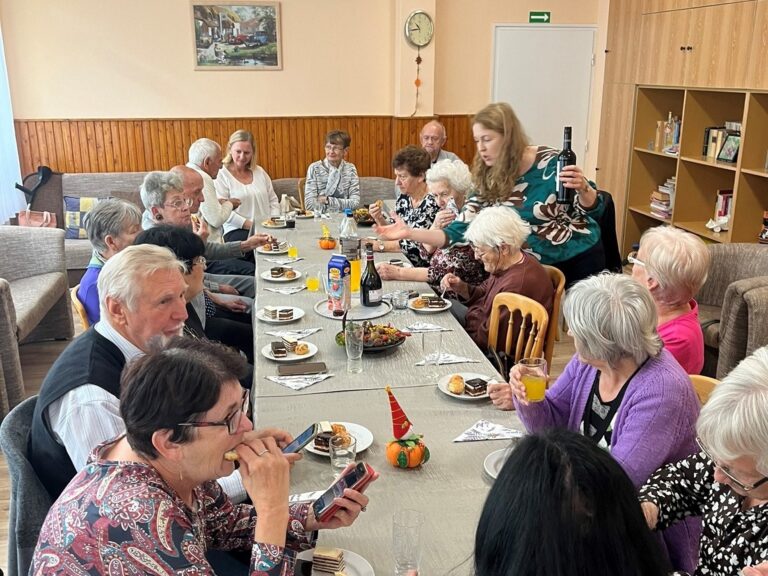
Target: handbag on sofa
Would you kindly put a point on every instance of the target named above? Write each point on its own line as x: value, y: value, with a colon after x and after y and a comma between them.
x: 36, y: 219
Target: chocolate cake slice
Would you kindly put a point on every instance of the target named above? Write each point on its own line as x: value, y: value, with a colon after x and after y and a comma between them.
x: 475, y: 387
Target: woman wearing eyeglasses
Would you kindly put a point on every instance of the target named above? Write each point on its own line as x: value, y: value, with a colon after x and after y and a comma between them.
x: 241, y: 178
x: 148, y: 502
x: 726, y: 483
x: 332, y: 183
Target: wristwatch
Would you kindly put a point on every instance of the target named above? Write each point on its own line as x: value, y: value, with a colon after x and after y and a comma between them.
x: 380, y: 247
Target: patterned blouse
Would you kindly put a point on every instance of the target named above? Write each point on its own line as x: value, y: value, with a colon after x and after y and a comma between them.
x: 732, y: 537
x: 458, y: 259
x: 420, y: 216
x: 122, y: 518
x: 557, y: 233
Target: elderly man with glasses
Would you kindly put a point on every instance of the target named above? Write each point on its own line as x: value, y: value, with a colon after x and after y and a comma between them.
x: 332, y: 183
x: 726, y: 483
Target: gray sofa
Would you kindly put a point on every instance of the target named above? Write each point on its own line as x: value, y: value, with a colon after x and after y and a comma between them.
x: 125, y: 185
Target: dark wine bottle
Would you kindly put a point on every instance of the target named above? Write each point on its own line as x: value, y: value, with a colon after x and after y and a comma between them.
x: 370, y: 282
x: 567, y: 157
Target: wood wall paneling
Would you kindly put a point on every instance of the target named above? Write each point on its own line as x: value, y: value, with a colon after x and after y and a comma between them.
x: 662, y: 61
x: 285, y: 146
x: 650, y: 6
x: 622, y: 41
x: 757, y: 76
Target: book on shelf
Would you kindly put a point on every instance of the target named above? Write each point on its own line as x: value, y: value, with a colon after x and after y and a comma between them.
x: 663, y: 199
x: 714, y: 138
x: 723, y: 204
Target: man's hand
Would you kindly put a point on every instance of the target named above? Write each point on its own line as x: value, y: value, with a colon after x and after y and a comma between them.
x: 200, y: 227
x: 253, y: 242
x: 227, y: 289
x: 759, y: 570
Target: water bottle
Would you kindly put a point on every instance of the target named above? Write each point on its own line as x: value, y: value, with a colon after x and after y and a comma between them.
x: 350, y: 247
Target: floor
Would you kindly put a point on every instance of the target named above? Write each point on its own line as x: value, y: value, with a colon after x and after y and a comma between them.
x: 37, y: 358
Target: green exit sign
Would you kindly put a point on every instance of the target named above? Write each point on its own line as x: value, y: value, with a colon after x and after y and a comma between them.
x: 539, y: 17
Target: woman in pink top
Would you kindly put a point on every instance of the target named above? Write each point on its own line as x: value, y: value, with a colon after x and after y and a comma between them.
x: 673, y: 264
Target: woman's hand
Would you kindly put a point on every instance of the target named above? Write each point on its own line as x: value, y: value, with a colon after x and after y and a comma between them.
x: 442, y: 219
x: 248, y: 224
x: 501, y: 396
x: 282, y: 438
x: 573, y: 177
x: 237, y: 305
x: 651, y: 513
x: 351, y: 503
x: 226, y: 289
x: 759, y: 570
x: 200, y: 227
x: 398, y: 230
x: 388, y: 272
x: 234, y: 201
x: 378, y: 215
x: 453, y: 283
x: 516, y: 385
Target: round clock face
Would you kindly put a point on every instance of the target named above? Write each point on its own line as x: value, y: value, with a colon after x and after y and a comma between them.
x: 419, y: 28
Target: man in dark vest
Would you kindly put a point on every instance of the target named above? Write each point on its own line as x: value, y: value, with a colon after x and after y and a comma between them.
x: 141, y: 298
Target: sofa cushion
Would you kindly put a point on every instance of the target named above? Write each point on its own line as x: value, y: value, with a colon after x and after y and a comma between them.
x: 710, y: 328
x: 34, y: 297
x: 77, y: 254
x: 75, y: 209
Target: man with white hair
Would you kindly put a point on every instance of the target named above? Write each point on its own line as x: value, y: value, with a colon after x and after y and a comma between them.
x: 141, y: 292
x: 433, y: 139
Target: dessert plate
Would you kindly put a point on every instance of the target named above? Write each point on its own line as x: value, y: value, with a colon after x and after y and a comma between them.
x: 309, y: 215
x: 267, y: 275
x: 292, y: 356
x: 357, y: 311
x: 363, y: 436
x: 268, y: 224
x: 442, y: 385
x: 355, y: 565
x: 297, y: 313
x: 426, y: 310
x: 261, y: 250
x: 494, y: 462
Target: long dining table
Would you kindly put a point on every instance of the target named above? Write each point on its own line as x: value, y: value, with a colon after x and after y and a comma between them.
x: 451, y: 488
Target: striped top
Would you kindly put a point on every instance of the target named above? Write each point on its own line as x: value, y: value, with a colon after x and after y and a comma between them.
x: 346, y: 194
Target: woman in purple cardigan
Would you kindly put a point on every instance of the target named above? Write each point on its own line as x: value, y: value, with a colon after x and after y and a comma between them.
x: 622, y: 389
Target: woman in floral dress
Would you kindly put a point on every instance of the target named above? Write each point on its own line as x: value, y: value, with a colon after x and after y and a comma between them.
x: 509, y: 171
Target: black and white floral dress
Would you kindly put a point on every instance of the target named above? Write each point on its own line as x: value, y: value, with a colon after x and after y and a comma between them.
x: 420, y: 216
x: 732, y: 536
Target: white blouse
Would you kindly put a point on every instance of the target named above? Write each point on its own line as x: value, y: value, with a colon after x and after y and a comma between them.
x: 257, y: 199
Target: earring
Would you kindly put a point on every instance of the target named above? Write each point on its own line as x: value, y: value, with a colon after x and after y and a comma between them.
x: 181, y: 476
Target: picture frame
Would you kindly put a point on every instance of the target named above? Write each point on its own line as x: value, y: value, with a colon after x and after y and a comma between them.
x: 730, y: 150
x: 236, y: 35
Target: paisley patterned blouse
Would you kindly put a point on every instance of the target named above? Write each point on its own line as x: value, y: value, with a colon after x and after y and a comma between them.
x: 420, y: 216
x: 557, y: 233
x: 122, y: 518
x: 458, y: 259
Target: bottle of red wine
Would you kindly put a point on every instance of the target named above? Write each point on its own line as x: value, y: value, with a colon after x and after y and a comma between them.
x: 370, y: 282
x: 567, y: 157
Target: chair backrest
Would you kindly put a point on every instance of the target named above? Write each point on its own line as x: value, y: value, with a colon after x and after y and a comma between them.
x: 528, y: 340
x: 729, y: 263
x: 608, y: 237
x: 30, y: 500
x: 703, y: 386
x: 300, y: 187
x: 558, y: 283
x: 79, y: 308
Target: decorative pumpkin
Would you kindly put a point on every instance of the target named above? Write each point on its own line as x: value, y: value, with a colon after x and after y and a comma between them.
x: 407, y: 453
x: 327, y: 243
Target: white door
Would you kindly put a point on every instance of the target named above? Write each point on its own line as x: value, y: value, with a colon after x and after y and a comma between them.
x: 545, y: 74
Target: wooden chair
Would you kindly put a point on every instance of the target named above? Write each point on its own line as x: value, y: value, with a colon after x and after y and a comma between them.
x: 553, y: 329
x: 703, y: 385
x: 530, y: 337
x: 79, y: 308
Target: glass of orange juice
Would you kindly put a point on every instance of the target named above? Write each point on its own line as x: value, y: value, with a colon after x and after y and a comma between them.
x: 533, y: 375
x: 313, y: 283
x: 293, y: 251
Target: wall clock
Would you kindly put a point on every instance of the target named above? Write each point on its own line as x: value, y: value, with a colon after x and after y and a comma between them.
x: 419, y: 29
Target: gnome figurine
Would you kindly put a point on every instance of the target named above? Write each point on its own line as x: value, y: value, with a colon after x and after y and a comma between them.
x: 406, y: 450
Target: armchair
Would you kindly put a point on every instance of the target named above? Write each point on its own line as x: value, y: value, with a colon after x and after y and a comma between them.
x: 34, y: 300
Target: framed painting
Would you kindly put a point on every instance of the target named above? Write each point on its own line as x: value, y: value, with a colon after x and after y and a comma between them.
x: 237, y: 35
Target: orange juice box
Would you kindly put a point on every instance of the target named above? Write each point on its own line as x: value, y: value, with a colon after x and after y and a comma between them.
x: 339, y: 293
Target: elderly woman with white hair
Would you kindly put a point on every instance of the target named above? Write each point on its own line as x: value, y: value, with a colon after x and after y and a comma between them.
x: 448, y: 181
x: 726, y: 482
x: 112, y: 225
x: 496, y: 235
x: 622, y: 389
x: 673, y: 264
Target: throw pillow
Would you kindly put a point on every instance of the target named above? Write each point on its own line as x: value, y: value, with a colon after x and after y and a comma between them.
x: 75, y: 209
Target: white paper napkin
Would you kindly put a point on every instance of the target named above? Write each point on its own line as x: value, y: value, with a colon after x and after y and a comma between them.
x: 447, y: 358
x: 427, y: 327
x: 298, y: 382
x: 283, y: 261
x: 485, y: 430
x: 297, y: 334
x: 291, y: 290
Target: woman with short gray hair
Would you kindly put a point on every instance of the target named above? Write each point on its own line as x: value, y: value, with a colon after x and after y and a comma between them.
x: 673, y: 264
x: 112, y: 225
x: 622, y: 389
x: 726, y: 482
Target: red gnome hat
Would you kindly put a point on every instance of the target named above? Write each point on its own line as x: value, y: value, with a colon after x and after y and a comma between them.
x: 401, y: 426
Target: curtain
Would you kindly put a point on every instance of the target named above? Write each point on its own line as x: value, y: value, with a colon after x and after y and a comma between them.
x: 11, y: 200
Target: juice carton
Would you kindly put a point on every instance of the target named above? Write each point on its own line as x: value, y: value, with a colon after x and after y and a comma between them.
x: 339, y: 292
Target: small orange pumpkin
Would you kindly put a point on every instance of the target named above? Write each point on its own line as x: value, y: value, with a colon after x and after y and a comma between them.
x: 407, y: 453
x: 327, y: 243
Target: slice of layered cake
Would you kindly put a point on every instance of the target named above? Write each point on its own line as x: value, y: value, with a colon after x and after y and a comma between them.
x: 328, y: 560
x: 285, y: 314
x: 270, y: 312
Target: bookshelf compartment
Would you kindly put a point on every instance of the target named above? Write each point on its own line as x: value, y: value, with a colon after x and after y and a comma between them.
x: 654, y: 104
x: 637, y: 222
x: 750, y: 201
x: 697, y: 187
x: 704, y: 109
x: 648, y: 172
x: 754, y: 144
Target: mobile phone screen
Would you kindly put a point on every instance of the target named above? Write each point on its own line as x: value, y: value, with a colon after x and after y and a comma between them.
x: 301, y: 440
x: 303, y: 567
x: 347, y: 481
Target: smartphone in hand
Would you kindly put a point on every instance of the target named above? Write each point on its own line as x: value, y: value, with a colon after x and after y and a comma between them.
x: 307, y: 436
x: 357, y: 478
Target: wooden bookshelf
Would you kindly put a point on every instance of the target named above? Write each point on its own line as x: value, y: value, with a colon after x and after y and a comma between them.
x: 698, y: 178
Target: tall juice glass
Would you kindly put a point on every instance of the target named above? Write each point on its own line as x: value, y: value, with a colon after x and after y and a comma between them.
x: 534, y: 377
x: 354, y: 266
x: 293, y: 251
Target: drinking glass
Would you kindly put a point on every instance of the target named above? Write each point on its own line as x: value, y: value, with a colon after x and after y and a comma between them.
x: 406, y: 540
x: 343, y: 450
x: 293, y: 250
x: 400, y: 301
x: 353, y: 343
x: 431, y: 346
x: 533, y: 375
x: 313, y: 282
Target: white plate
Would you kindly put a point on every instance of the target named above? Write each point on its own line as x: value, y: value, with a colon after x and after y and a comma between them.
x: 266, y: 224
x: 363, y: 436
x: 306, y: 216
x: 297, y: 313
x: 291, y: 357
x: 426, y: 310
x: 268, y: 252
x: 442, y: 384
x: 266, y: 275
x: 494, y: 462
x: 357, y: 312
x: 356, y: 565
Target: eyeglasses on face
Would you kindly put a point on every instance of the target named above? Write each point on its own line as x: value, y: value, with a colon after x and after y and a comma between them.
x: 479, y: 253
x: 634, y: 260
x: 333, y: 148
x: 727, y: 473
x: 179, y: 204
x: 200, y: 260
x: 232, y: 422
